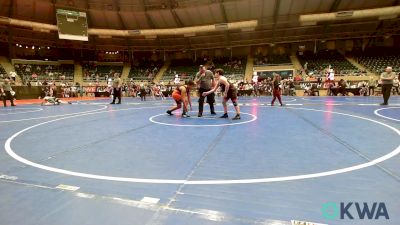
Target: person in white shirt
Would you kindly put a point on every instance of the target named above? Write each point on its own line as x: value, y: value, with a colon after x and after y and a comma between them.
x: 13, y: 75
x: 177, y: 80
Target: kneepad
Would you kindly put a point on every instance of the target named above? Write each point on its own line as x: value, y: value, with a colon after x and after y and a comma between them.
x: 235, y: 104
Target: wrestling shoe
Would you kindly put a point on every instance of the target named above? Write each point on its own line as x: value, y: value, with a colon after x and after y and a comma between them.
x: 237, y: 117
x: 224, y: 116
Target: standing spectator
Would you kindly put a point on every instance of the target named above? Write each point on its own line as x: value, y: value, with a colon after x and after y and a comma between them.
x: 13, y: 75
x: 177, y: 80
x: 53, y: 89
x: 5, y: 91
x: 387, y: 83
x: 342, y: 87
x: 142, y: 92
x: 371, y: 85
x: 117, y: 88
x: 396, y: 85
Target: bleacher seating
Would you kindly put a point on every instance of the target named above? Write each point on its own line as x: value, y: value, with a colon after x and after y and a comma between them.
x: 186, y: 69
x: 94, y: 72
x: 234, y: 69
x: 145, y: 70
x: 40, y: 72
x: 260, y: 60
x: 377, y: 59
x: 317, y: 63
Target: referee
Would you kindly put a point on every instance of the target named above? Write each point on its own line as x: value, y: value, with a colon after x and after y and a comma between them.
x: 5, y: 91
x: 205, y: 80
x: 117, y: 89
x: 387, y: 84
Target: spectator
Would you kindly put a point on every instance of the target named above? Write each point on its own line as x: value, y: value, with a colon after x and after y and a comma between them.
x: 342, y: 87
x: 387, y: 83
x: 396, y: 85
x: 6, y: 92
x: 371, y: 85
x: 13, y: 75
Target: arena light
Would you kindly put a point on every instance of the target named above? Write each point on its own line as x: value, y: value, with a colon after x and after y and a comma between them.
x: 388, y: 17
x: 134, y: 32
x: 248, y: 29
x: 105, y: 36
x: 41, y: 30
x: 43, y: 27
x: 151, y: 36
x: 221, y: 26
x: 29, y: 24
x: 150, y: 33
x: 189, y: 35
x: 381, y: 13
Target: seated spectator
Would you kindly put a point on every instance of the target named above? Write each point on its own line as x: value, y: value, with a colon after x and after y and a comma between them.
x: 342, y: 87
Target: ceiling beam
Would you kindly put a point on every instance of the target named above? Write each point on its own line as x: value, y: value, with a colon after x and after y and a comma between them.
x: 54, y: 2
x: 275, y: 17
x: 217, y: 44
x: 92, y: 40
x: 178, y: 21
x: 335, y: 5
x: 121, y: 21
x: 88, y: 18
x: 148, y: 18
x: 225, y: 19
x: 11, y: 8
x: 34, y: 9
x: 223, y: 11
x: 9, y: 32
x: 379, y: 27
x: 118, y: 8
x: 333, y: 8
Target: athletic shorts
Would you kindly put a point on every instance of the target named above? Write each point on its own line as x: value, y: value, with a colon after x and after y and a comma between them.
x: 177, y: 97
x: 232, y: 95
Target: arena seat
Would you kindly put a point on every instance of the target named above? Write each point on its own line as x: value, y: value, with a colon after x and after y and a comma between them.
x: 377, y: 59
x: 317, y: 63
x: 40, y: 72
x: 92, y: 71
x: 144, y: 70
